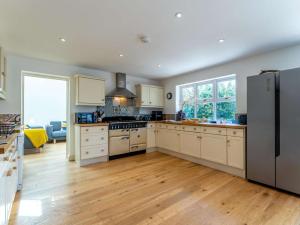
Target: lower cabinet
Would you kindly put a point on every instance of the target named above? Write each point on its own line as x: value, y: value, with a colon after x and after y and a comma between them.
x: 220, y: 145
x: 235, y: 152
x: 2, y: 200
x: 172, y: 140
x: 213, y: 148
x: 151, y: 137
x: 190, y: 143
x: 161, y: 138
x: 91, y: 144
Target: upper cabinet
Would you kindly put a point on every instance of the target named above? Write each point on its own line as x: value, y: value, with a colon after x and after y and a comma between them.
x: 150, y: 96
x: 90, y: 91
x: 3, y: 74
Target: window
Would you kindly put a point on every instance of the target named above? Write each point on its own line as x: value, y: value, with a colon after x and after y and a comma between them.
x: 214, y: 99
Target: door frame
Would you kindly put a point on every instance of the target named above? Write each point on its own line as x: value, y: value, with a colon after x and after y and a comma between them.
x: 68, y: 104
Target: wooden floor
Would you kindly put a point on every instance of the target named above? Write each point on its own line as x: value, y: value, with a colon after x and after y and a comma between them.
x: 146, y: 189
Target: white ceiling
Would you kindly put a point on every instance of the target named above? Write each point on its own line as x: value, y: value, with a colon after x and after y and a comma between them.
x: 97, y: 31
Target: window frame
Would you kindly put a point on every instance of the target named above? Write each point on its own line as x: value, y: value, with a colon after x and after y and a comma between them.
x: 214, y: 100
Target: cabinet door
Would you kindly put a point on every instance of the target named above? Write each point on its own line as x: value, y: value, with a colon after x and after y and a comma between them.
x: 151, y: 137
x: 213, y: 148
x: 156, y: 96
x: 3, y: 74
x: 190, y: 143
x: 2, y: 200
x: 90, y: 91
x: 235, y: 152
x: 10, y: 189
x: 161, y: 138
x: 145, y: 95
x: 172, y: 140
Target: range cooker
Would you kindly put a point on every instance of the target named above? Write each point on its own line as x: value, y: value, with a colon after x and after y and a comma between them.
x: 126, y: 135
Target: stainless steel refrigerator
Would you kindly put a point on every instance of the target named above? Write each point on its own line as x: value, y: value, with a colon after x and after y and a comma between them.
x: 273, y: 130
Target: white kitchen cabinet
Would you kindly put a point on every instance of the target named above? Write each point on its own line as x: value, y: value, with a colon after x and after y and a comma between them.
x: 172, y: 140
x: 213, y: 148
x: 151, y: 137
x: 150, y: 96
x: 91, y: 144
x: 161, y: 138
x: 235, y: 152
x: 90, y: 91
x: 2, y: 198
x: 190, y: 143
x: 3, y: 74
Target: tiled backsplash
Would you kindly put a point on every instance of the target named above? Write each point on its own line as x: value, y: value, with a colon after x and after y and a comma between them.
x: 122, y: 108
x: 10, y: 118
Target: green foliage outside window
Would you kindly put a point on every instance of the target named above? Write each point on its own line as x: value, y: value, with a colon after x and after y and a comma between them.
x: 205, y: 111
x: 199, y: 100
x: 226, y: 110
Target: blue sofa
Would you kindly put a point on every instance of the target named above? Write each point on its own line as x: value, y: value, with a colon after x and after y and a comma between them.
x: 56, y: 132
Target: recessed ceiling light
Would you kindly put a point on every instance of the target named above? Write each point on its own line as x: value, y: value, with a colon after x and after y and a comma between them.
x: 178, y: 15
x: 62, y: 39
x: 221, y: 40
x: 121, y: 55
x: 158, y: 65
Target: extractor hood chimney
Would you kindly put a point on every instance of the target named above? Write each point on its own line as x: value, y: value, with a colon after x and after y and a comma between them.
x: 121, y: 90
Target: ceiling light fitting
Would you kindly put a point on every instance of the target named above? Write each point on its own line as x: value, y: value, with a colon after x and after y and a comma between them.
x: 62, y: 39
x: 221, y: 41
x: 178, y: 15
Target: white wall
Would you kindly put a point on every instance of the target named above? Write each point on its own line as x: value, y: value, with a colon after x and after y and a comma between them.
x: 280, y: 59
x: 17, y: 64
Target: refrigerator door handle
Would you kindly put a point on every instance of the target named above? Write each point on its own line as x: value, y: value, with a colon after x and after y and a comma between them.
x: 277, y: 115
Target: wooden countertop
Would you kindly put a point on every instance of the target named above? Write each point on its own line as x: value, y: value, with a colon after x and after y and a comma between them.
x: 10, y: 139
x: 227, y: 125
x: 91, y: 124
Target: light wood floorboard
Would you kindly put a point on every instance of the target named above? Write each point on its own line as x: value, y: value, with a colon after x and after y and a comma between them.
x: 149, y: 189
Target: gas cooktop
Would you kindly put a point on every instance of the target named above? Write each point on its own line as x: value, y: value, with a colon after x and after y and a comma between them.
x: 123, y: 122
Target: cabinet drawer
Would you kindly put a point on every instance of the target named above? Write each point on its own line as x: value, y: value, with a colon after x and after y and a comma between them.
x: 172, y: 127
x: 214, y: 130
x: 235, y: 132
x: 161, y: 126
x: 89, y: 140
x: 94, y: 151
x: 191, y: 128
x: 151, y: 125
x: 90, y: 130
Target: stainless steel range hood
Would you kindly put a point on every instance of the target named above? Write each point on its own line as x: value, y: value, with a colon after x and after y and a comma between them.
x: 121, y: 90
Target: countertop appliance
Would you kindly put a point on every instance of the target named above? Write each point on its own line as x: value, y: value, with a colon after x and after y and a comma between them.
x: 156, y: 115
x: 85, y: 117
x: 273, y: 154
x: 126, y: 135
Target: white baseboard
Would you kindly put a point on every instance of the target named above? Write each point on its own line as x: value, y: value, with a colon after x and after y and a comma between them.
x: 217, y: 166
x: 85, y: 162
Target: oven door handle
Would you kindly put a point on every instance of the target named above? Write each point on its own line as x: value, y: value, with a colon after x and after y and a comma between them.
x: 123, y: 138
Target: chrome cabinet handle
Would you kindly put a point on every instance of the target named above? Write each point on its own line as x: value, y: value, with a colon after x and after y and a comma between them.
x: 234, y: 132
x: 138, y: 136
x: 102, y: 150
x: 195, y: 128
x: 219, y: 131
x: 86, y: 130
x: 14, y: 168
x: 102, y: 138
x: 87, y: 153
x: 87, y: 139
